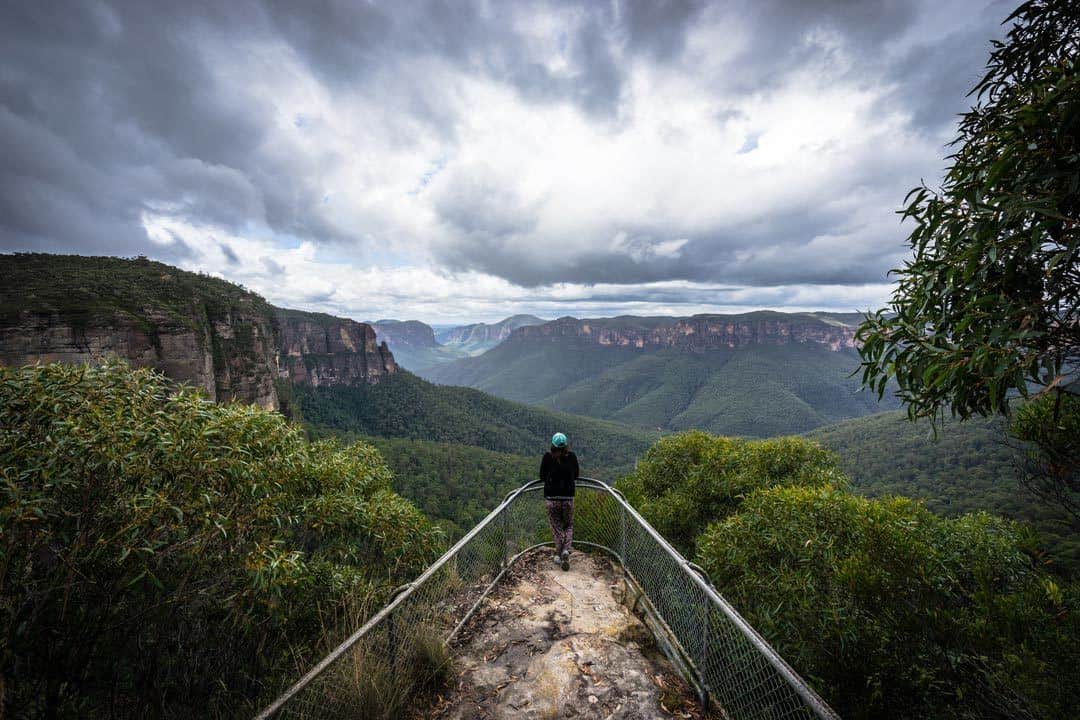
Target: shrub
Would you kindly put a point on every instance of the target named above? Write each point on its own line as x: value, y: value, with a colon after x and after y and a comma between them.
x: 892, y: 611
x: 686, y: 481
x: 163, y: 555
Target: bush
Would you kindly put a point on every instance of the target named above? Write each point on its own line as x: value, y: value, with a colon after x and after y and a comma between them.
x: 892, y: 611
x: 163, y: 555
x: 686, y: 481
x: 1050, y: 426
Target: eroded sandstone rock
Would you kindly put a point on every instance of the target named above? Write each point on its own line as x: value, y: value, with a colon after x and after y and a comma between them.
x: 554, y: 644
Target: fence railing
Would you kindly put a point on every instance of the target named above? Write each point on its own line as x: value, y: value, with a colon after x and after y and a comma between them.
x: 374, y: 673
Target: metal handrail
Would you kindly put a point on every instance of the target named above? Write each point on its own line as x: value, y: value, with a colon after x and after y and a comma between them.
x: 694, y: 572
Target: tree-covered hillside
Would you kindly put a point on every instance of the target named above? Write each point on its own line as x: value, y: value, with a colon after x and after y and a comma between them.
x: 82, y: 288
x: 755, y: 391
x: 455, y: 485
x: 968, y: 466
x: 420, y: 360
x: 405, y: 406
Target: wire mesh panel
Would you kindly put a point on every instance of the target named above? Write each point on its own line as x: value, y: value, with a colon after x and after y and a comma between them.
x: 377, y: 671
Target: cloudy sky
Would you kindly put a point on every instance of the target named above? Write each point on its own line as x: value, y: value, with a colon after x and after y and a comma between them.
x: 461, y: 161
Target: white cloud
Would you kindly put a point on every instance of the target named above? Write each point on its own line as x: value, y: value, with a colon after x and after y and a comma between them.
x: 298, y: 277
x: 392, y: 161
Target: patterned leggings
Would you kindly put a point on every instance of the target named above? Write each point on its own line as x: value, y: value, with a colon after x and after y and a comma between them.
x: 561, y: 517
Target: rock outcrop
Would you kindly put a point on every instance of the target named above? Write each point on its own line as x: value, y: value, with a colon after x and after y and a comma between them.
x: 321, y: 350
x: 696, y: 333
x: 553, y: 644
x: 196, y: 329
x: 405, y: 332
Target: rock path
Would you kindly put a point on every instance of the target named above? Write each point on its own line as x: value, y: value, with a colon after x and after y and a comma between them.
x: 552, y: 644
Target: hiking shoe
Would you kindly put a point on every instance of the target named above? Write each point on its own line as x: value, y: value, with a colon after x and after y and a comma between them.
x: 557, y: 558
x: 566, y: 560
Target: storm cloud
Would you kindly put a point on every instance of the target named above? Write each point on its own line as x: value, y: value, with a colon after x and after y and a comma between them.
x: 464, y: 160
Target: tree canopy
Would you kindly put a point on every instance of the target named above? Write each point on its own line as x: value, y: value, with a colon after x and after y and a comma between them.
x: 887, y: 609
x: 162, y: 555
x: 988, y: 305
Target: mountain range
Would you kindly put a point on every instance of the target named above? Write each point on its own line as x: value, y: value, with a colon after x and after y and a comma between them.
x: 418, y: 347
x: 755, y: 374
x: 329, y: 372
x: 480, y: 337
x: 413, y: 344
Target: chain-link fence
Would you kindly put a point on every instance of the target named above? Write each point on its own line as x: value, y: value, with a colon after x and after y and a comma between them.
x: 377, y: 671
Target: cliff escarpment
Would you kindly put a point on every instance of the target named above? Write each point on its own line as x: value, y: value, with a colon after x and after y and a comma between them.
x: 323, y: 350
x: 201, y: 330
x: 696, y: 333
x: 405, y: 332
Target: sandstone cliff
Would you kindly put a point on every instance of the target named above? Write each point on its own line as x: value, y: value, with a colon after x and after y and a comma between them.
x: 196, y: 329
x: 320, y: 350
x: 697, y: 333
x: 405, y: 332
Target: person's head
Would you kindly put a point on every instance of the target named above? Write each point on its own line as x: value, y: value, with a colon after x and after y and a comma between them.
x: 558, y: 443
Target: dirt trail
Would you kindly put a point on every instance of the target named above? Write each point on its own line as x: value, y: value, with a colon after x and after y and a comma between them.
x: 554, y: 644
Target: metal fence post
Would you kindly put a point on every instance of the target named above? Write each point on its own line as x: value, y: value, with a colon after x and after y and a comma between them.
x: 703, y: 692
x: 622, y: 538
x: 505, y: 537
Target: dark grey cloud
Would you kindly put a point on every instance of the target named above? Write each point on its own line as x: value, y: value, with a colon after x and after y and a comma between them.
x: 272, y: 267
x: 109, y: 108
x: 888, y: 42
x: 925, y: 71
x: 933, y: 79
x: 766, y: 251
x: 230, y: 255
x: 114, y: 109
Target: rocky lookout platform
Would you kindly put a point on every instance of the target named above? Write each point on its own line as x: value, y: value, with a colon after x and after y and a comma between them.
x: 553, y: 644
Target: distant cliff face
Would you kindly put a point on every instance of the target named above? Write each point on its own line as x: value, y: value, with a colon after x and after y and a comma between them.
x: 485, y: 334
x: 209, y: 333
x: 408, y: 332
x: 321, y: 350
x: 697, y: 333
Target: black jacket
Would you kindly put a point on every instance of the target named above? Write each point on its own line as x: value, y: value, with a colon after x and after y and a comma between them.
x: 559, y: 475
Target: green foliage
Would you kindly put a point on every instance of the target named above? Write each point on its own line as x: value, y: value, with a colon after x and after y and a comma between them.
x: 892, y: 611
x: 964, y: 467
x: 1050, y: 425
x: 686, y: 481
x: 84, y: 289
x: 404, y: 406
x: 989, y: 303
x: 455, y: 485
x: 163, y: 555
x: 886, y: 608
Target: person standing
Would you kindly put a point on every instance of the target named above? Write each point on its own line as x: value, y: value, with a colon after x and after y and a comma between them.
x: 559, y: 471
